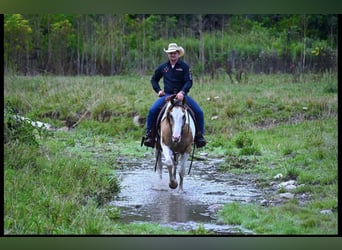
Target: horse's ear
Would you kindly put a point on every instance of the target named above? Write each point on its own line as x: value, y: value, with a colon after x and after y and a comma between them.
x: 170, y: 98
x: 172, y: 101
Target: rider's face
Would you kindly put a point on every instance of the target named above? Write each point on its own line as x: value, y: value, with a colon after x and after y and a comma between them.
x: 173, y: 56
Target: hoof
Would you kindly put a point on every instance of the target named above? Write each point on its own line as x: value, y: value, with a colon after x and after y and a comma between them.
x: 173, y: 184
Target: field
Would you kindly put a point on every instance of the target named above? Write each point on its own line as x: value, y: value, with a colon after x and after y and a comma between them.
x: 59, y: 182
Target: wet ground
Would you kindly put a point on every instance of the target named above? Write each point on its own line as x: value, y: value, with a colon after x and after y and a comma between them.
x: 146, y: 198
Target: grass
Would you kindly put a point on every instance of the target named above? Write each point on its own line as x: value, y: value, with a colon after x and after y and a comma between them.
x: 266, y: 126
x: 289, y: 219
x: 293, y: 151
x: 63, y: 187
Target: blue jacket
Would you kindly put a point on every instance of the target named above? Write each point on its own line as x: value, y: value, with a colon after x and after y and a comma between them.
x: 176, y: 79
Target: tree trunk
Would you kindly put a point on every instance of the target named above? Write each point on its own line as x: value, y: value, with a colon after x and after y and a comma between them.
x: 201, y: 48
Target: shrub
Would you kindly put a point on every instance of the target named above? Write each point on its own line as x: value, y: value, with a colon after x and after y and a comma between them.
x: 16, y: 129
x: 246, y: 144
x: 243, y: 140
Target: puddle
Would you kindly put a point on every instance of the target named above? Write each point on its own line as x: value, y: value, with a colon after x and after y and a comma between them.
x: 146, y: 198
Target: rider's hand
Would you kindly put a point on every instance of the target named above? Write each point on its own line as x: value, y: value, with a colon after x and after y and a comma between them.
x: 161, y: 93
x: 180, y: 96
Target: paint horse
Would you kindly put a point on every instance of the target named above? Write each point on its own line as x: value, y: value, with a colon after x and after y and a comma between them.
x: 176, y: 138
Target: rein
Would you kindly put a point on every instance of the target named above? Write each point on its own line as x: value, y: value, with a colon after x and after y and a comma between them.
x: 192, y: 158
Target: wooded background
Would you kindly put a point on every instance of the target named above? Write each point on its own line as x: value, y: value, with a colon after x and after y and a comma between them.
x: 116, y: 44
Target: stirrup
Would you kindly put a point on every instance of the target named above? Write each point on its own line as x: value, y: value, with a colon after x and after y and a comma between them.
x: 200, y: 141
x: 149, y: 141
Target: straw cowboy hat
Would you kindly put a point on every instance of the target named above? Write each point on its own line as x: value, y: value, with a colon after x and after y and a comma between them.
x: 173, y: 47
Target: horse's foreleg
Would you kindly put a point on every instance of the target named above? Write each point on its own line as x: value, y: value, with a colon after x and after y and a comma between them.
x: 170, y: 166
x: 183, y: 159
x: 173, y: 182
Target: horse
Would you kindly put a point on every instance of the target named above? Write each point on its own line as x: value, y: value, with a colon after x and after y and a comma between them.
x: 175, y: 141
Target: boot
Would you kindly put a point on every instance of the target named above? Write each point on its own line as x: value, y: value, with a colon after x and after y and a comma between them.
x: 149, y: 140
x: 200, y: 141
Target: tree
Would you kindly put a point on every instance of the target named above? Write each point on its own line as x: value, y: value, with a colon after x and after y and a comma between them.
x: 63, y: 50
x: 124, y: 43
x: 17, y: 42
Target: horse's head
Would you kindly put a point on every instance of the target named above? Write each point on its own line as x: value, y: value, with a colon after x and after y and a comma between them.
x: 177, y: 119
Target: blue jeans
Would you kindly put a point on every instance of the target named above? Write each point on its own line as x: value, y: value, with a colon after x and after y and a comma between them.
x: 158, y: 105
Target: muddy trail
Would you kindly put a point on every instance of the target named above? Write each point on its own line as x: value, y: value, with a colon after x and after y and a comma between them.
x: 145, y: 198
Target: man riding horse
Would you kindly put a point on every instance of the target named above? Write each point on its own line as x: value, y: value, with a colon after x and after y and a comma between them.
x: 177, y: 80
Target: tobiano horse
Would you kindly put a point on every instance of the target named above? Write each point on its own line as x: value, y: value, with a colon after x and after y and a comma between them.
x: 176, y: 138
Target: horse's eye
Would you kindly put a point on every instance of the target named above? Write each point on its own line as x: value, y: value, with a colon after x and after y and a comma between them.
x: 170, y: 118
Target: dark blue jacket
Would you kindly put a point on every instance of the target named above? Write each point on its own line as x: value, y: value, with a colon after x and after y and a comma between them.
x: 175, y: 79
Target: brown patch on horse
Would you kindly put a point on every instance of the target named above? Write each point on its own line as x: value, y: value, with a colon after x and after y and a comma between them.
x: 187, y: 141
x: 166, y: 131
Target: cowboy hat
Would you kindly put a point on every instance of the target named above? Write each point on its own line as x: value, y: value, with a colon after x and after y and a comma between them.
x: 173, y: 47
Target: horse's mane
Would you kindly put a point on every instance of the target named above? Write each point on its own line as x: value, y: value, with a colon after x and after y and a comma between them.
x: 170, y: 97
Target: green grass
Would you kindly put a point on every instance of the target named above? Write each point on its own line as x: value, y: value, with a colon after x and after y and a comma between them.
x: 293, y: 151
x: 287, y: 219
x: 266, y: 126
x: 63, y: 186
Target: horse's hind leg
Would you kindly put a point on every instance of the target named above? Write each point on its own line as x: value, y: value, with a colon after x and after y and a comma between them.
x: 158, y: 156
x: 181, y: 171
x: 175, y: 162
